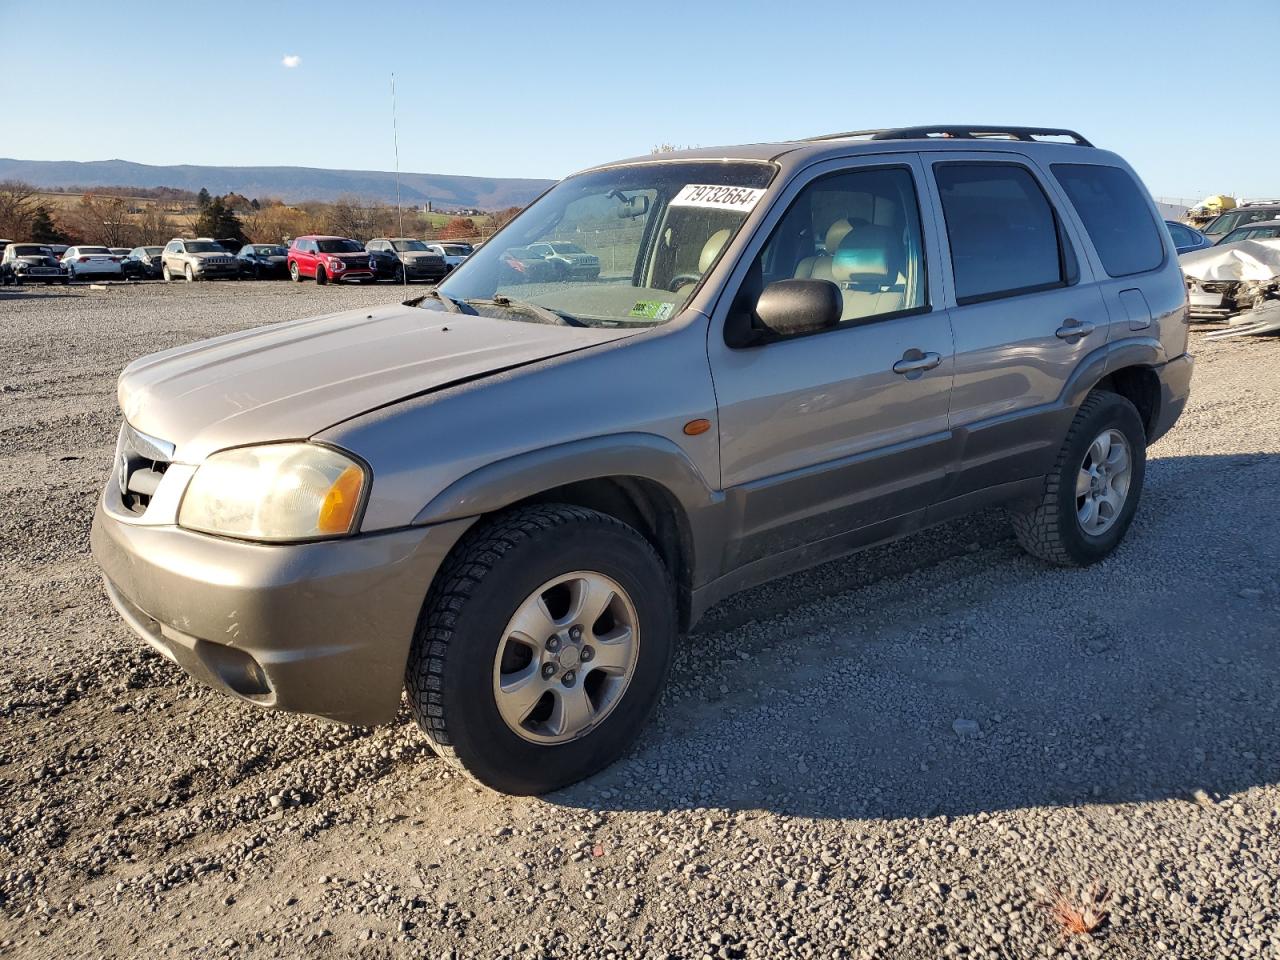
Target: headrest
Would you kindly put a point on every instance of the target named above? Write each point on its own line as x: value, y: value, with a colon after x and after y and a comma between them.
x: 870, y: 254
x: 711, y: 249
x: 835, y: 233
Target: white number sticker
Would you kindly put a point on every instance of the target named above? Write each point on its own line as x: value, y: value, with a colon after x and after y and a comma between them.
x: 718, y: 198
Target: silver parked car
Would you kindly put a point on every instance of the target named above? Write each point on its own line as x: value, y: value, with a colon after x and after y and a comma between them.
x: 511, y: 495
x: 199, y: 259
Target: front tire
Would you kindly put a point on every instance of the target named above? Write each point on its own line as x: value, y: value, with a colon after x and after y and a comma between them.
x: 1092, y: 493
x: 165, y: 274
x: 189, y: 273
x: 294, y: 275
x: 321, y: 277
x: 542, y: 647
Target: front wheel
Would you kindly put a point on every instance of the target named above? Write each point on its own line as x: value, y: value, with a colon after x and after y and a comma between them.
x: 542, y: 647
x: 294, y: 275
x: 321, y: 277
x: 164, y: 272
x: 189, y: 273
x: 1092, y: 493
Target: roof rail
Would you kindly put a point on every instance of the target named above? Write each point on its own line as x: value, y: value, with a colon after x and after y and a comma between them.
x: 1258, y: 202
x: 962, y: 132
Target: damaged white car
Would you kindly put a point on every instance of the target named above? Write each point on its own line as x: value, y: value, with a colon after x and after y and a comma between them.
x: 1231, y: 278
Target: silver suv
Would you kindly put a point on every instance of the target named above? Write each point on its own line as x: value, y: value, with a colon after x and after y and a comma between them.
x: 512, y: 495
x: 199, y: 259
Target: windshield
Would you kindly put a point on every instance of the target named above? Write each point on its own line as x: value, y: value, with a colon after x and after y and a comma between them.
x: 30, y: 250
x: 653, y: 229
x: 1237, y: 218
x: 402, y: 245
x: 339, y: 246
x: 197, y: 246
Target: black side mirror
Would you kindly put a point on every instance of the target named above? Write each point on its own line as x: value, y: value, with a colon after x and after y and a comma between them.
x: 791, y: 307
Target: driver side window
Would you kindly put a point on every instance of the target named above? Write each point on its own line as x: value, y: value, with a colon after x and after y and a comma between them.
x: 859, y: 230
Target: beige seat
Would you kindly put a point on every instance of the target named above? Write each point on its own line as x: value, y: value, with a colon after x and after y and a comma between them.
x: 868, y: 266
x: 818, y: 267
x: 710, y: 250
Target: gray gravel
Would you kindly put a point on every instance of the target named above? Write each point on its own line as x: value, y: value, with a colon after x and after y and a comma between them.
x: 909, y: 753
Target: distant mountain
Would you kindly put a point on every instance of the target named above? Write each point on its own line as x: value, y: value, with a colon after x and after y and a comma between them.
x: 292, y: 184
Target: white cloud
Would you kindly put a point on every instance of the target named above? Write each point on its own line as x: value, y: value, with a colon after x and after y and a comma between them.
x: 291, y: 60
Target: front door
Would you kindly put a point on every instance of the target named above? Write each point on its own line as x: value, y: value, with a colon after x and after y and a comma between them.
x: 844, y: 430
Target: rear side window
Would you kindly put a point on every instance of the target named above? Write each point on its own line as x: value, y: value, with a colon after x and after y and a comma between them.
x: 1116, y: 215
x: 1004, y: 236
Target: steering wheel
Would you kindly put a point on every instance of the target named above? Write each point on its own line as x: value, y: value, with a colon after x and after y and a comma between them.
x: 680, y: 279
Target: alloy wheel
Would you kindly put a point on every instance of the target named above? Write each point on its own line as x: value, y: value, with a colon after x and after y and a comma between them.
x: 566, y: 658
x: 1102, y: 483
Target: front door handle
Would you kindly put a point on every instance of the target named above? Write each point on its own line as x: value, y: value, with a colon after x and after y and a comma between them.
x: 1073, y: 330
x: 915, y: 362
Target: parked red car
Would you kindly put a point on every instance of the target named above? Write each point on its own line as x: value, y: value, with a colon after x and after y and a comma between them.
x: 328, y: 258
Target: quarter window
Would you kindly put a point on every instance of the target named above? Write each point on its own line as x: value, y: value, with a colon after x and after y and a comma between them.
x: 1005, y: 238
x: 1116, y: 215
x: 859, y: 230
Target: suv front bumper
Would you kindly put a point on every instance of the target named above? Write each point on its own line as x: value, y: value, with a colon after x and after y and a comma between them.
x: 319, y: 628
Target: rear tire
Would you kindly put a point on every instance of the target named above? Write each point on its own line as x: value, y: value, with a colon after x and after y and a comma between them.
x: 466, y: 634
x: 1055, y: 529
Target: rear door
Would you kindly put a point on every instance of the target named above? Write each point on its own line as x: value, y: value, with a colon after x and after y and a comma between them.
x: 1024, y: 309
x: 841, y: 434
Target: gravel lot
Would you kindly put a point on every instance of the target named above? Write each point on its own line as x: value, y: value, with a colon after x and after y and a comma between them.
x: 803, y: 792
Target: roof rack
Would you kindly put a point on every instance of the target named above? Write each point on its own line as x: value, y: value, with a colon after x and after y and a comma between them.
x: 1258, y: 202
x: 963, y: 132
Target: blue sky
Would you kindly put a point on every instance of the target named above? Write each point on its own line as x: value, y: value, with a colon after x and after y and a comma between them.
x: 543, y: 89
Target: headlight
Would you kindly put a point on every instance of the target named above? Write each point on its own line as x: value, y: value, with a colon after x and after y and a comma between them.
x: 280, y: 491
x: 337, y: 265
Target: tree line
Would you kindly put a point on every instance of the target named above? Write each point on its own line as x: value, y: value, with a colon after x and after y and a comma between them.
x: 112, y: 217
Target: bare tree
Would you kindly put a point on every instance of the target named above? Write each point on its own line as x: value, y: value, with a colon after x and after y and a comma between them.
x: 17, y: 209
x: 155, y: 227
x: 104, y: 220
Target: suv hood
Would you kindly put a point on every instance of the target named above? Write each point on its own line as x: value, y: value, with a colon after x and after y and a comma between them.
x: 292, y: 380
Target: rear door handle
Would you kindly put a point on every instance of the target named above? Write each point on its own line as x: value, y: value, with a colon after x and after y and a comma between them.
x: 1073, y: 329
x: 913, y: 361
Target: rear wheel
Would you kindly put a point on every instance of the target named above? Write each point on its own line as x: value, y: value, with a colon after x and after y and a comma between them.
x: 542, y: 647
x: 1091, y: 495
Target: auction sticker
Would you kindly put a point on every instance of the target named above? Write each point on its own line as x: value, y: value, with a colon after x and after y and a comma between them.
x: 652, y: 310
x: 718, y: 197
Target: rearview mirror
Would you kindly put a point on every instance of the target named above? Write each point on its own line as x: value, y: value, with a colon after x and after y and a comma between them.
x: 791, y: 307
x: 631, y: 207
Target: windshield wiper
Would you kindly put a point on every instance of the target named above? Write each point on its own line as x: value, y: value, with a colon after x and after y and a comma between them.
x: 545, y: 314
x: 451, y: 305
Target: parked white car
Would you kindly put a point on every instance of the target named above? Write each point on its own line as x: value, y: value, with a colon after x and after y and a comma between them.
x: 92, y: 261
x: 453, y: 253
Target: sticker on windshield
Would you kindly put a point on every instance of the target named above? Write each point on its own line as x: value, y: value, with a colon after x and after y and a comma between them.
x: 718, y: 198
x: 652, y: 310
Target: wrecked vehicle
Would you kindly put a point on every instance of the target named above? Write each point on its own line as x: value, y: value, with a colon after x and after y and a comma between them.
x: 1251, y: 211
x: 1262, y: 319
x: 1228, y: 279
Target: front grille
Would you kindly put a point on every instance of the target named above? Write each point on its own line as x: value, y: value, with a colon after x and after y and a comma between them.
x: 141, y: 461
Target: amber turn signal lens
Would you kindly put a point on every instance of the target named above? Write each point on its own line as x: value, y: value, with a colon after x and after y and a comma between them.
x: 695, y: 427
x: 338, y: 511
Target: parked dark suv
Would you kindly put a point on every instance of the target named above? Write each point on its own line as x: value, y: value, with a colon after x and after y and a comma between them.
x: 512, y: 495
